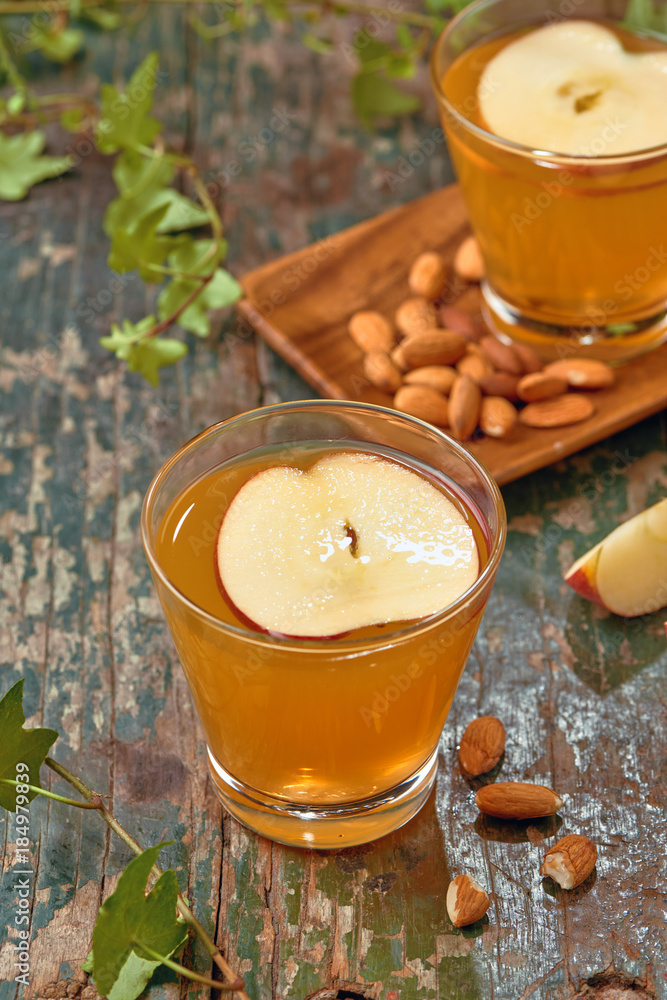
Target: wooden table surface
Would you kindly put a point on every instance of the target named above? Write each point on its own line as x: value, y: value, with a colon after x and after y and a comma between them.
x: 582, y: 693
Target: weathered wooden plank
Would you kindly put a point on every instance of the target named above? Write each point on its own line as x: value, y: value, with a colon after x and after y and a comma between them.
x: 581, y: 693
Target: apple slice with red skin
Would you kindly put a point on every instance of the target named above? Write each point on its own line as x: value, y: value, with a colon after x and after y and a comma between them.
x: 627, y: 571
x: 353, y: 541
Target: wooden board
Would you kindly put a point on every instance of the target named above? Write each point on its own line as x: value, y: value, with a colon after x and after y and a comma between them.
x: 301, y: 304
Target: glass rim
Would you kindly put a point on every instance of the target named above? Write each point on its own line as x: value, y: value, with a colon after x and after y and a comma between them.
x: 647, y: 152
x: 326, y: 644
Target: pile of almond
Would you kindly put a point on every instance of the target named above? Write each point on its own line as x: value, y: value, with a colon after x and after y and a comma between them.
x: 569, y: 862
x: 440, y: 362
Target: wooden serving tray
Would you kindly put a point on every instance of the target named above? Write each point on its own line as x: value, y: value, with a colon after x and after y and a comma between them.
x: 301, y: 305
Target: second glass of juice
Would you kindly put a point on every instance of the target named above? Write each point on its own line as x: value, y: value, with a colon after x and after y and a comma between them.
x: 573, y: 245
x: 322, y: 742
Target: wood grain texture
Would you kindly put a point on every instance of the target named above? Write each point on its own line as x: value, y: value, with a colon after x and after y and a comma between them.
x: 581, y: 693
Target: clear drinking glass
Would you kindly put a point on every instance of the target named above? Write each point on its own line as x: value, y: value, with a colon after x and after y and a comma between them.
x: 573, y: 246
x: 327, y: 742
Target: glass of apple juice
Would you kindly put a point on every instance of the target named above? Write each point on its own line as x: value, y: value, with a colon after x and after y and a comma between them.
x: 554, y: 112
x: 323, y: 567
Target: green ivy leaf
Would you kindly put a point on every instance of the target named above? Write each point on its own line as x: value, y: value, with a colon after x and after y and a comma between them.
x: 148, y: 355
x: 403, y: 66
x: 16, y: 103
x: 181, y: 213
x: 320, y: 45
x: 136, y: 174
x: 374, y: 96
x: 133, y: 978
x: 108, y: 20
x: 59, y: 46
x: 370, y: 50
x: 19, y: 745
x: 124, y: 120
x: 123, y: 338
x: 21, y: 164
x: 130, y: 920
x: 142, y: 245
x: 72, y: 119
x: 276, y: 10
x: 222, y: 290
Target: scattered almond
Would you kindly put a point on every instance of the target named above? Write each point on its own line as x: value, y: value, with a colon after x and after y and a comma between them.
x: 474, y: 364
x: 382, y: 372
x: 540, y: 385
x: 558, y: 411
x: 570, y: 861
x: 500, y: 384
x: 466, y: 901
x: 471, y: 325
x: 517, y: 800
x: 530, y: 361
x: 371, y: 331
x: 416, y: 315
x: 427, y: 275
x: 583, y: 373
x: 432, y: 347
x: 465, y: 400
x: 501, y: 355
x: 497, y: 416
x: 439, y: 377
x: 422, y: 402
x: 482, y: 745
x: 468, y: 260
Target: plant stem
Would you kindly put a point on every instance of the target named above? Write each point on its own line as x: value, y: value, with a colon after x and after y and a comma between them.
x: 170, y: 320
x: 134, y: 846
x: 213, y: 983
x: 93, y: 804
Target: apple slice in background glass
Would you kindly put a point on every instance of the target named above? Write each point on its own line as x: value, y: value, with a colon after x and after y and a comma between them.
x: 586, y: 90
x: 354, y: 541
x: 627, y: 571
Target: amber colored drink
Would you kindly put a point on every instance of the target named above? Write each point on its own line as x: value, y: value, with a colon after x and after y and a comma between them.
x: 312, y: 727
x: 574, y: 246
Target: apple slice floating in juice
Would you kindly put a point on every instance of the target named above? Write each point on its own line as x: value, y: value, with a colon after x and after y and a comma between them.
x: 571, y: 87
x: 627, y: 571
x: 356, y: 540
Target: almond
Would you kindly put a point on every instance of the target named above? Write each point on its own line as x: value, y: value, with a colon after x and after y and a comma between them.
x: 468, y: 260
x: 557, y: 411
x: 397, y: 357
x: 517, y: 800
x: 540, y: 385
x: 416, y: 315
x: 382, y: 372
x: 427, y: 275
x: 530, y: 361
x: 497, y: 416
x: 439, y: 377
x: 470, y: 324
x: 465, y: 399
x: 570, y: 861
x: 482, y: 745
x: 466, y: 901
x: 500, y: 384
x: 583, y: 373
x: 432, y: 347
x: 423, y: 402
x: 475, y: 364
x: 501, y: 355
x: 371, y: 331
